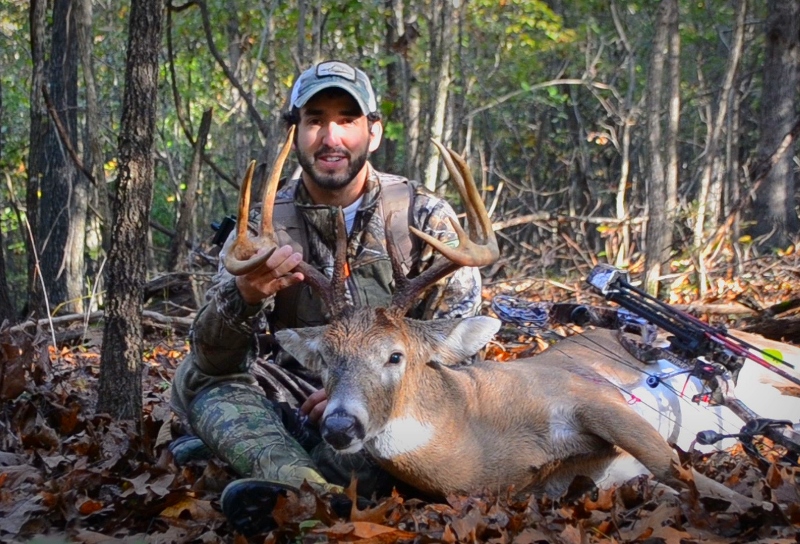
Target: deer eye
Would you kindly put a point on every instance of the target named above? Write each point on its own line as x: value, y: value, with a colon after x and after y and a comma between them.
x: 395, y: 358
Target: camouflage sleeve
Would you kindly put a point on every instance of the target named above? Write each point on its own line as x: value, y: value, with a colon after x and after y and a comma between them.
x: 223, y: 335
x: 458, y: 295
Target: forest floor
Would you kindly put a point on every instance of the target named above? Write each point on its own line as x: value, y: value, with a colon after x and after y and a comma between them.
x: 68, y: 474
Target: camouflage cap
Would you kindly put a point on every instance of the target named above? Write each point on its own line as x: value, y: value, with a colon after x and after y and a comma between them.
x: 334, y: 73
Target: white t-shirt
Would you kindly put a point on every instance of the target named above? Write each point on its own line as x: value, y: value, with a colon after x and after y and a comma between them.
x: 350, y: 213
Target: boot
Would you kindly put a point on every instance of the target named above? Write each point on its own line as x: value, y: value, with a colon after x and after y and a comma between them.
x: 241, y: 427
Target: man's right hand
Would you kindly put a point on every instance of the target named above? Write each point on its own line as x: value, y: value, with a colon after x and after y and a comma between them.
x: 272, y: 276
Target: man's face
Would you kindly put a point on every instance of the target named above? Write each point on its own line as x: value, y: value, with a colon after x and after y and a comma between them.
x: 333, y: 139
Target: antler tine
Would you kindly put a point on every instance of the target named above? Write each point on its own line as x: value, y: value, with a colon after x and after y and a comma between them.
x: 477, y: 249
x: 268, y: 202
x: 462, y: 175
x: 332, y: 291
x: 480, y: 247
x: 241, y: 257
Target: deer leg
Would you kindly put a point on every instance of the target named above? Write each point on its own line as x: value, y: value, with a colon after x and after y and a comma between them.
x: 616, y: 423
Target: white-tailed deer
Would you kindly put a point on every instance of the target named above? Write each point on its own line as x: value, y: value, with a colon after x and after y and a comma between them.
x: 395, y: 386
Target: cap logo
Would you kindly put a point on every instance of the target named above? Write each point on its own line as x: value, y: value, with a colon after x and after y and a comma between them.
x: 336, y: 68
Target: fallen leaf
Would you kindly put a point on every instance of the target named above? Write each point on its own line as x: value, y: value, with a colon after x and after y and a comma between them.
x: 89, y: 506
x: 198, y: 510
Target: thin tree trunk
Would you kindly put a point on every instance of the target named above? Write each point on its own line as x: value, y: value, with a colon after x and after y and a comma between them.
x: 98, y: 230
x: 37, y: 154
x: 302, y: 9
x: 7, y: 311
x: 389, y: 147
x: 63, y: 204
x: 710, y: 194
x: 178, y: 250
x: 773, y: 208
x: 627, y: 118
x: 120, y: 387
x: 442, y: 32
x: 656, y: 250
x: 275, y: 104
x: 673, y: 126
x: 93, y: 156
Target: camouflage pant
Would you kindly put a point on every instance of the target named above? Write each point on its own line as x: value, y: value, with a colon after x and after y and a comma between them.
x: 247, y: 431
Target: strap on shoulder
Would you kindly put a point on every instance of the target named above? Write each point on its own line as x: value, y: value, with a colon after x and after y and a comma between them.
x: 285, y: 214
x: 398, y: 203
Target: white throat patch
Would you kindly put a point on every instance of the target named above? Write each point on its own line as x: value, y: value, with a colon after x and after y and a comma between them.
x: 400, y: 436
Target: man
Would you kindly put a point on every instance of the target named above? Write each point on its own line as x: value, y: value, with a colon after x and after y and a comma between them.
x: 337, y: 126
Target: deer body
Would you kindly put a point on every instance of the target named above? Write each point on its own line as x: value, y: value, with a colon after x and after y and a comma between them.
x: 533, y: 424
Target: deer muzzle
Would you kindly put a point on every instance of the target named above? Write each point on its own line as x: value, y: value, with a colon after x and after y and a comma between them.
x: 343, y: 431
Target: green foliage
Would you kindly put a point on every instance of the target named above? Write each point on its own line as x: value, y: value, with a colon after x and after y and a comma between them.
x: 547, y: 144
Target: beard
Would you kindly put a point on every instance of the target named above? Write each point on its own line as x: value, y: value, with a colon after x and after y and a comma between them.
x: 333, y: 180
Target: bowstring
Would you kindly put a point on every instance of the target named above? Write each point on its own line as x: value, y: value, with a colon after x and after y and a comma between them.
x: 534, y: 317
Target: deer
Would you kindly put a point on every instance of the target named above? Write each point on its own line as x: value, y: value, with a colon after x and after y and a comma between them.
x: 397, y: 387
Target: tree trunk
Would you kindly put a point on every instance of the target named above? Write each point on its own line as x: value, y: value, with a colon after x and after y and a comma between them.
x: 773, y: 210
x: 120, y: 387
x: 178, y: 248
x: 37, y: 154
x: 627, y: 117
x: 442, y: 37
x: 710, y: 195
x: 673, y: 126
x: 7, y: 311
x: 98, y: 230
x: 389, y: 147
x: 656, y: 249
x: 63, y: 205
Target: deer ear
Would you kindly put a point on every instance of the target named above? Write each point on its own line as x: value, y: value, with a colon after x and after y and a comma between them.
x: 302, y: 344
x: 459, y: 339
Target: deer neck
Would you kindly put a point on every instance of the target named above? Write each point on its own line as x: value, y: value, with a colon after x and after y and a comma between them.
x: 423, y: 414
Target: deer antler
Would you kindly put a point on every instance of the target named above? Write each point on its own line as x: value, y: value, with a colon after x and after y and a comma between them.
x: 242, y: 257
x: 479, y: 248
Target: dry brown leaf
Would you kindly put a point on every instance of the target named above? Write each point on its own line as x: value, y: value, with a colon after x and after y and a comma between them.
x: 294, y: 508
x: 466, y: 527
x: 354, y: 531
x: 12, y: 369
x: 91, y: 537
x: 604, y: 502
x: 199, y: 510
x: 448, y: 536
x: 653, y: 521
x: 89, y: 506
x: 376, y: 514
x: 670, y: 535
x: 532, y: 536
x: 571, y: 535
x: 774, y: 478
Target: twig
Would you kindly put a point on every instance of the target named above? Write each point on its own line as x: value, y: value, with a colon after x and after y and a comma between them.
x: 64, y: 135
x: 38, y: 271
x: 93, y: 295
x: 548, y: 216
x: 96, y: 316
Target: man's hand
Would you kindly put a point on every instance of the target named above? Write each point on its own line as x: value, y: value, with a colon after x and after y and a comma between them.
x: 315, y: 405
x: 272, y: 276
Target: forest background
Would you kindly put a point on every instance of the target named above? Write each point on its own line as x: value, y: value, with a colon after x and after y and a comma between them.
x: 659, y: 136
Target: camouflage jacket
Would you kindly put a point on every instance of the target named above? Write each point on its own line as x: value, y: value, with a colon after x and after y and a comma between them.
x: 223, y: 336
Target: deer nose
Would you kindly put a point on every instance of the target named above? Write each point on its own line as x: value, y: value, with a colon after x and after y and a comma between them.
x: 341, y: 429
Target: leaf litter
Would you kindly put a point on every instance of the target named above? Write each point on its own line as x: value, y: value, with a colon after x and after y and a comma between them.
x: 68, y: 474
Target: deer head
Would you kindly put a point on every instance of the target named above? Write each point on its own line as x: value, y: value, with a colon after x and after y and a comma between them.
x: 371, y: 358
